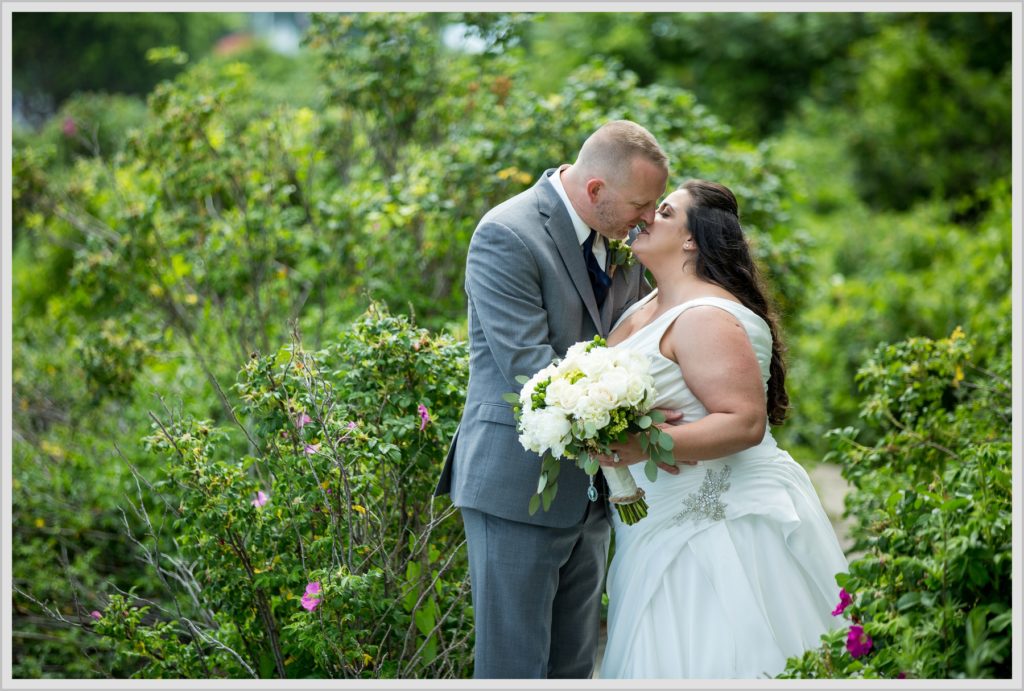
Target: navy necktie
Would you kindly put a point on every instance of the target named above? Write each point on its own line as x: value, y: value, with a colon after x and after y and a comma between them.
x: 599, y: 280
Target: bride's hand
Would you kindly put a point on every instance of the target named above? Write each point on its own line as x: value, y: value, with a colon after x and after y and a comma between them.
x: 631, y: 454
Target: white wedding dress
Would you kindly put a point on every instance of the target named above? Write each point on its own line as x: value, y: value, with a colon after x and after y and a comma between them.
x: 733, y: 569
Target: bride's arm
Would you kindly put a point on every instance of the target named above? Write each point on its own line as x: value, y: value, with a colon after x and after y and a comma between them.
x: 718, y: 362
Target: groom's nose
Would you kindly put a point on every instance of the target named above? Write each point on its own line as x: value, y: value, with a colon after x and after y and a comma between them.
x: 648, y: 216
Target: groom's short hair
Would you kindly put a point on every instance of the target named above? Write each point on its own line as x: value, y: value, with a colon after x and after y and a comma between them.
x: 606, y: 152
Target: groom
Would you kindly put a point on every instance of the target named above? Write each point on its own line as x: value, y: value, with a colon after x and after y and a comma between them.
x: 538, y: 281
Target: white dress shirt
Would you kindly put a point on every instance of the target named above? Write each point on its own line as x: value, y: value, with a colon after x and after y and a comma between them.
x: 582, y: 229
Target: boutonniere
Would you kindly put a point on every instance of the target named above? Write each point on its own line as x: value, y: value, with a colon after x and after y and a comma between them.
x: 619, y: 254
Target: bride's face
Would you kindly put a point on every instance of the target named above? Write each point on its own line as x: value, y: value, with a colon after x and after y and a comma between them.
x: 667, y: 236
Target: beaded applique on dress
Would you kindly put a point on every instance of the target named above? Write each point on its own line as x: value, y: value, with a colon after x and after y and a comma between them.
x: 706, y: 502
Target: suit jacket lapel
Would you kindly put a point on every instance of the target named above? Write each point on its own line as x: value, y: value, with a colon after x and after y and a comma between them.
x: 559, y: 227
x: 618, y: 284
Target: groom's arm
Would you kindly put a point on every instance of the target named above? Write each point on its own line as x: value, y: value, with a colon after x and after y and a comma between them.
x: 503, y: 282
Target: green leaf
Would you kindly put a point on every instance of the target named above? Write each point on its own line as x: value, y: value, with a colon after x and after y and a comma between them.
x: 591, y: 465
x: 511, y: 398
x: 522, y: 378
x: 534, y: 504
x: 424, y: 617
x: 657, y: 417
x: 549, y: 496
x: 665, y: 441
x: 644, y: 422
x: 908, y: 600
x: 651, y: 470
x: 552, y: 466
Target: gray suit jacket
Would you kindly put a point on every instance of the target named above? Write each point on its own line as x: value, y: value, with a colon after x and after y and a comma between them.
x: 529, y: 298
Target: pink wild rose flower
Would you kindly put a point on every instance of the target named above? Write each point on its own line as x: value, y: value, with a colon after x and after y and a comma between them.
x: 857, y: 642
x: 95, y: 614
x: 844, y: 601
x: 311, y: 599
x: 311, y: 449
x: 424, y: 416
x: 261, y: 499
x: 302, y: 420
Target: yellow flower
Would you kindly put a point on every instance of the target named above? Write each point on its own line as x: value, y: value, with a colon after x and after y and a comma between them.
x: 359, y: 509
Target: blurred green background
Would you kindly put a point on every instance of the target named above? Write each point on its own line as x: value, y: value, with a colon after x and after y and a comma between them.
x: 193, y: 190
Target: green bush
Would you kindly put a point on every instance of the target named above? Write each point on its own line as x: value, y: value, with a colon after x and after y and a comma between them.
x: 882, y: 277
x: 933, y: 506
x: 327, y: 478
x: 929, y: 123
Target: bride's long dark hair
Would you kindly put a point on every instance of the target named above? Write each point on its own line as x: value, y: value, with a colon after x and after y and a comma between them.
x: 723, y: 258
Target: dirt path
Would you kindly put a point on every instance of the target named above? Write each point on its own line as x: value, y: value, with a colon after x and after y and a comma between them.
x: 832, y: 489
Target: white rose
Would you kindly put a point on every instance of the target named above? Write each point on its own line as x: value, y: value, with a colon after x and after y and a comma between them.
x: 636, y: 391
x: 616, y: 380
x: 601, y: 396
x: 563, y: 394
x: 596, y: 363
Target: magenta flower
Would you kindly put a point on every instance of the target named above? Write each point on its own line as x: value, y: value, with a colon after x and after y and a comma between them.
x: 348, y: 431
x: 261, y: 499
x: 844, y: 601
x: 95, y: 614
x: 857, y: 642
x: 424, y: 416
x: 311, y: 449
x: 69, y: 128
x: 311, y: 599
x: 302, y: 420
x: 901, y: 675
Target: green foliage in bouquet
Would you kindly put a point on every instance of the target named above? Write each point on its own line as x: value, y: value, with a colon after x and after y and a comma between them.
x: 933, y: 587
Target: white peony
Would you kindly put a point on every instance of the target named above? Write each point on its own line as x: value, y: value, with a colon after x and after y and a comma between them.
x: 547, y: 428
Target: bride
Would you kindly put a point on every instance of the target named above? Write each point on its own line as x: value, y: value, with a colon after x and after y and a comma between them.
x: 733, y: 569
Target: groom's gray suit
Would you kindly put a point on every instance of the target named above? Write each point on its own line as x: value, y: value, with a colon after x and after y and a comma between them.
x: 537, y: 579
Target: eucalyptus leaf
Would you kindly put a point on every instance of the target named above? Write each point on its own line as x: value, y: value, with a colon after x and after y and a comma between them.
x: 549, y: 496
x: 651, y: 470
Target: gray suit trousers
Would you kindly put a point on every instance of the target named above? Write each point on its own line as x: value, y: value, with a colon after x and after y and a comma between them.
x: 550, y: 629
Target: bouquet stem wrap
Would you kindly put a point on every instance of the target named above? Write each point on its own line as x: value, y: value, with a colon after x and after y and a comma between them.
x: 625, y: 496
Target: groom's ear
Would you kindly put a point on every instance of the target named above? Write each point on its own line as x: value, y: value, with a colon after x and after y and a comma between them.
x: 594, y: 186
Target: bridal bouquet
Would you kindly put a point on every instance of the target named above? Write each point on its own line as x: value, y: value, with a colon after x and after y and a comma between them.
x: 577, y: 407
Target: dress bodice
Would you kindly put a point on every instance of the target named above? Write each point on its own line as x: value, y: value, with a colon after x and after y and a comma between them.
x: 673, y: 392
